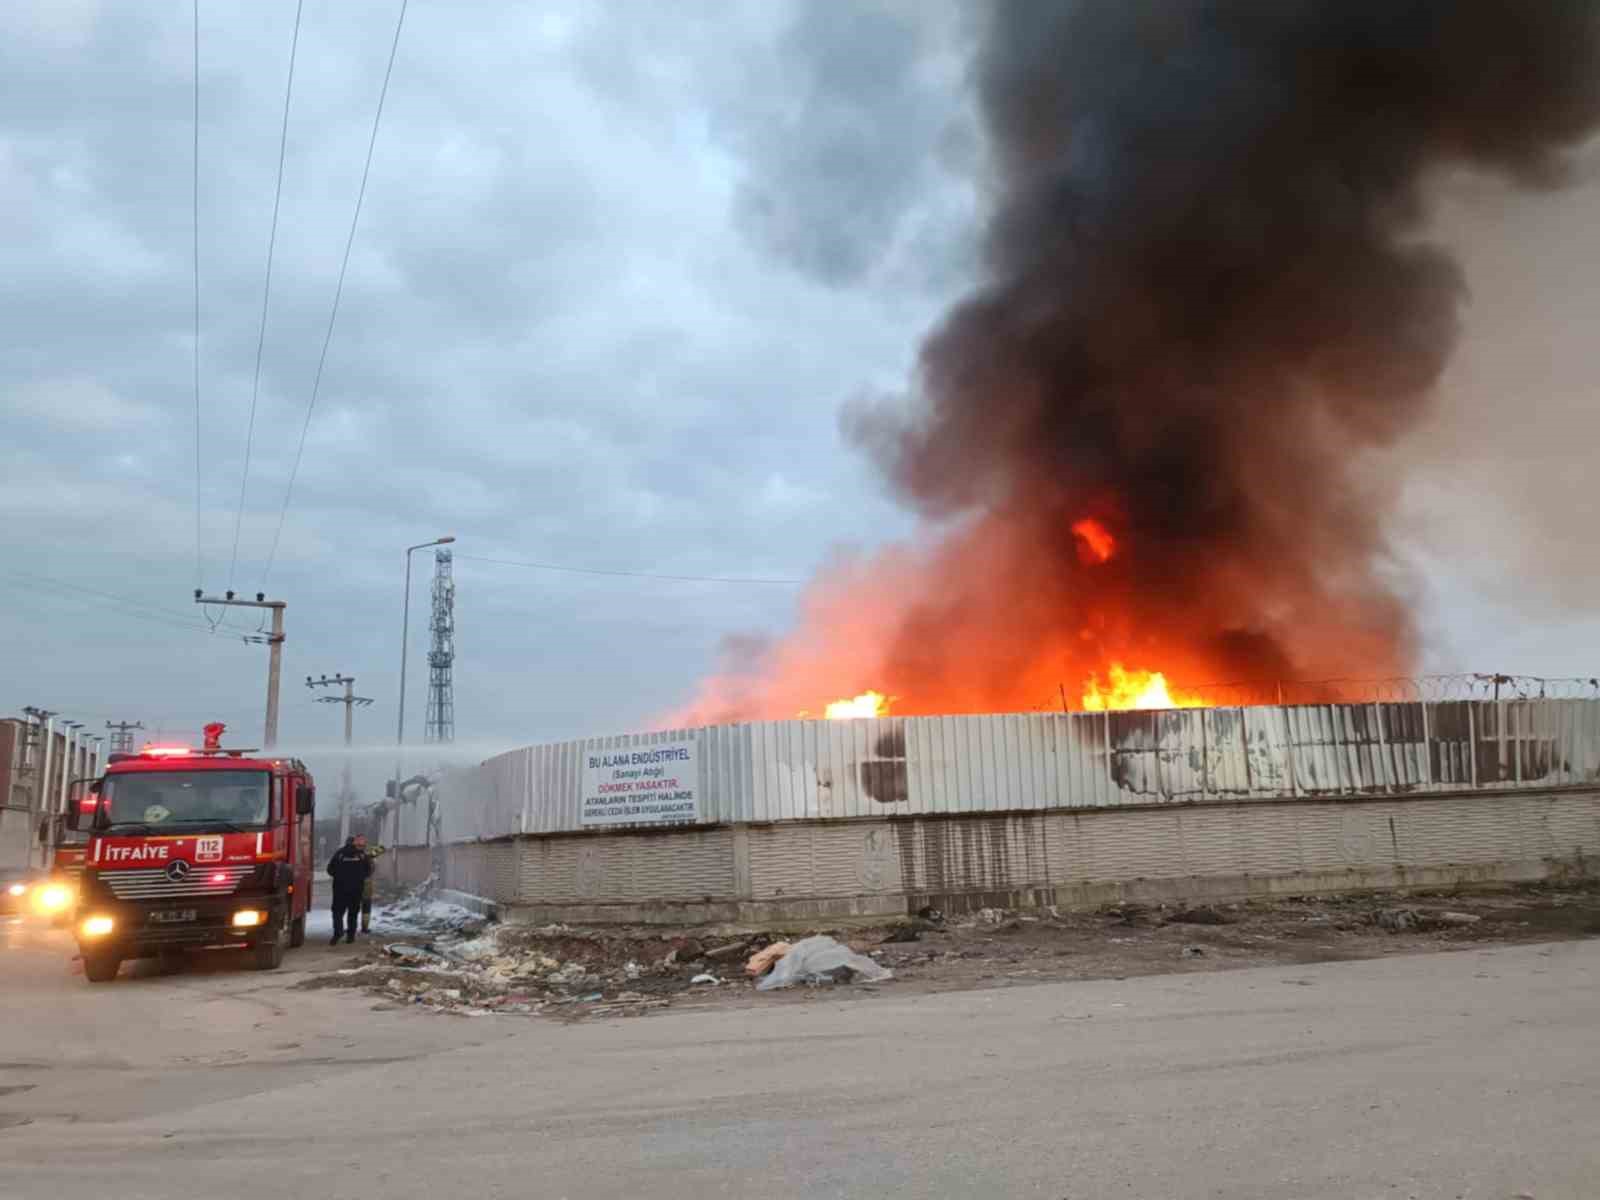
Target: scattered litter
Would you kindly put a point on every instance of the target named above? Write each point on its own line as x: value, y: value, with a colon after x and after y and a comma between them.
x: 412, y: 953
x: 815, y: 960
x: 421, y: 911
x: 1203, y: 915
x: 902, y: 933
x: 722, y: 953
x: 1396, y: 920
x: 462, y: 965
x: 762, y: 960
x: 687, y: 950
x: 573, y: 972
x: 1131, y: 913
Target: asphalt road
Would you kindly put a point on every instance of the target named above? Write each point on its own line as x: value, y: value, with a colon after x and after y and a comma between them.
x: 1472, y: 1074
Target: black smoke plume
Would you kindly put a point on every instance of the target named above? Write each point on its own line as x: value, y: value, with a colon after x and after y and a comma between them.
x: 1209, y: 288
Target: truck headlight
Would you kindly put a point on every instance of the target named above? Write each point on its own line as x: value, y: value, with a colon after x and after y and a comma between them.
x: 98, y: 926
x: 52, y: 898
x: 247, y: 918
x: 18, y: 889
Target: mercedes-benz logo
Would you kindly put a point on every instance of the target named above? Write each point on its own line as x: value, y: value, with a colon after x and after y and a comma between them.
x: 177, y: 870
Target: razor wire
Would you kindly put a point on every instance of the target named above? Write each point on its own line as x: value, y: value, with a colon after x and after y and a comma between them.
x: 1399, y: 689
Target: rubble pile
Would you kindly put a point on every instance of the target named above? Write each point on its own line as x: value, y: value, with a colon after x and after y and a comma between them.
x: 477, y: 968
x: 454, y: 961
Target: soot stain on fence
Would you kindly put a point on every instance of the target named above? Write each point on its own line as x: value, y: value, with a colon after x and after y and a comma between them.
x: 885, y: 778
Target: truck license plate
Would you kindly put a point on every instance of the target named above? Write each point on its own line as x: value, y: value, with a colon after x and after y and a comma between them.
x: 171, y: 916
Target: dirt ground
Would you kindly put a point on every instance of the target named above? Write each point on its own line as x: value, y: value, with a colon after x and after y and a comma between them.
x: 474, y: 968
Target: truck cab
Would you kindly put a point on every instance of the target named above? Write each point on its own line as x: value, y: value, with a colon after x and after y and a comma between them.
x: 191, y: 849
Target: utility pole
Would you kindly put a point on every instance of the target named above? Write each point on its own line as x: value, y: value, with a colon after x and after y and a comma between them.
x: 122, y: 735
x: 349, y: 700
x: 275, y: 648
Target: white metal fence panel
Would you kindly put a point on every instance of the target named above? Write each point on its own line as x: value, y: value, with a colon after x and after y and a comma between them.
x: 808, y: 770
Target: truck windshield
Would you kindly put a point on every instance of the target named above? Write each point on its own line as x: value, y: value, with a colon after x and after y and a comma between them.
x: 162, y: 799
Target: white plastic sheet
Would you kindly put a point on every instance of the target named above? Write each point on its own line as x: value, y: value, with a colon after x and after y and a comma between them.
x: 813, y: 960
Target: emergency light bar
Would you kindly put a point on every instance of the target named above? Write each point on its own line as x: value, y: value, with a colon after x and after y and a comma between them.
x: 191, y: 752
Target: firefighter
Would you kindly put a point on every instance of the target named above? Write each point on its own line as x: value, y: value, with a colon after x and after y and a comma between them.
x: 373, y: 854
x: 351, y: 870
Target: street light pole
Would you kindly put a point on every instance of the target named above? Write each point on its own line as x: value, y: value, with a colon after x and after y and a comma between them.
x: 400, y: 719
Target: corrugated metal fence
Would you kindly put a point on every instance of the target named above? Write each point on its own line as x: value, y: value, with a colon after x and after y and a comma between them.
x: 798, y: 770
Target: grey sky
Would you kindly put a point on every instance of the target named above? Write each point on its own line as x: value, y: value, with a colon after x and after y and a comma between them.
x: 619, y: 267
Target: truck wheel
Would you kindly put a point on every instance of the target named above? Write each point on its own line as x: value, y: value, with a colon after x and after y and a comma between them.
x: 101, y: 968
x: 269, y: 951
x: 297, y: 933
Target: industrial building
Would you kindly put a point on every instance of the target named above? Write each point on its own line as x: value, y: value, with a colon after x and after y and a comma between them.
x: 37, y: 763
x: 788, y: 820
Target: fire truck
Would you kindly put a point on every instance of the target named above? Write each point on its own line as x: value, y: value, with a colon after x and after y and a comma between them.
x: 192, y: 849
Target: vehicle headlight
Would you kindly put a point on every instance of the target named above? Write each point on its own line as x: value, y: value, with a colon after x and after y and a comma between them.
x: 98, y: 926
x: 17, y: 889
x: 53, y: 898
x: 245, y: 918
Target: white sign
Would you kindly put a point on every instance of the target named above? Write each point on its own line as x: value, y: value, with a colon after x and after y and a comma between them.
x: 641, y: 785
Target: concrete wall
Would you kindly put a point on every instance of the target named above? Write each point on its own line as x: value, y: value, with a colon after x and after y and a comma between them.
x: 17, y: 835
x: 794, y: 871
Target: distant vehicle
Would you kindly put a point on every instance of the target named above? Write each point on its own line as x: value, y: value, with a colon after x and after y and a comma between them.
x: 19, y: 888
x: 191, y: 849
x: 66, y: 848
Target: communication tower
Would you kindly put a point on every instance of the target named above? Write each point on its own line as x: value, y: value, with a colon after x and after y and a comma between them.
x: 441, y: 726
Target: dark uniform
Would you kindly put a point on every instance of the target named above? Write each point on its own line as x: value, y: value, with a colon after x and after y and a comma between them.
x: 349, y: 868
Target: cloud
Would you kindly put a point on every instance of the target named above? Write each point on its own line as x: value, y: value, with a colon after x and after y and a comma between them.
x: 618, y: 269
x: 77, y: 404
x: 841, y: 163
x: 556, y: 343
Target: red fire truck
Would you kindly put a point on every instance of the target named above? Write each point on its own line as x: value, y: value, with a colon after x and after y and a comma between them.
x: 191, y: 849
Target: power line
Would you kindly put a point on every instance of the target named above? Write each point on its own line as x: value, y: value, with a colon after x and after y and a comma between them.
x: 68, y: 586
x: 544, y: 566
x: 266, y: 291
x: 154, y: 619
x: 338, y: 293
x: 199, y: 565
x: 138, y: 610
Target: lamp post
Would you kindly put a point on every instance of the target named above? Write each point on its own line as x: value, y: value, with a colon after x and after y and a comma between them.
x: 400, y: 720
x: 58, y: 803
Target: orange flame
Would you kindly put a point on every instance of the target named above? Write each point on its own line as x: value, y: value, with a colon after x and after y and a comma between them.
x: 1095, y: 543
x: 1127, y: 689
x: 867, y: 704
